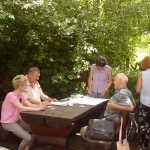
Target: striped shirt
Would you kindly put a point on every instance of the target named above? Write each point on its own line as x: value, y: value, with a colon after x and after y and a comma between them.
x: 99, y: 78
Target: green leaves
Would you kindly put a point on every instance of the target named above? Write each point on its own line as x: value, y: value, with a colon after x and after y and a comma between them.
x: 63, y: 38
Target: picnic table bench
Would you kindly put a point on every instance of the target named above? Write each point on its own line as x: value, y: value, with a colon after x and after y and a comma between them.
x: 107, y: 145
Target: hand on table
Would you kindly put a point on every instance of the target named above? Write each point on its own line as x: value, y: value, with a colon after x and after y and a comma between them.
x: 47, y: 103
x: 54, y: 100
x: 103, y: 93
x: 42, y: 106
x: 89, y: 91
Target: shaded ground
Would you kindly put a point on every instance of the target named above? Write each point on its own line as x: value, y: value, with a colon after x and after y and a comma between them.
x: 77, y: 143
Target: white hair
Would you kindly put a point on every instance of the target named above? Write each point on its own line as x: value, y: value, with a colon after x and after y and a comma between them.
x: 123, y: 77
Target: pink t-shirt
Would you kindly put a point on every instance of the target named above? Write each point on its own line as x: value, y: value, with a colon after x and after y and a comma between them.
x: 9, y: 112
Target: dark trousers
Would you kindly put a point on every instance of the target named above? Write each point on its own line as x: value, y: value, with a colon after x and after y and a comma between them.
x: 144, y: 125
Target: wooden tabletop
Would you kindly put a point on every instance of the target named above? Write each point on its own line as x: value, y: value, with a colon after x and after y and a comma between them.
x: 59, y: 116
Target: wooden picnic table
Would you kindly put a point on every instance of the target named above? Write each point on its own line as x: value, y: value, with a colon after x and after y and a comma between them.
x: 55, y: 124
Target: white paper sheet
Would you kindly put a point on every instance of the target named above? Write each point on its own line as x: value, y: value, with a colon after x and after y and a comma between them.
x: 86, y: 100
x: 66, y: 103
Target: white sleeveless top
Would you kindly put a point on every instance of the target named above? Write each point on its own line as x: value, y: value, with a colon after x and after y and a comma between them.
x: 145, y: 91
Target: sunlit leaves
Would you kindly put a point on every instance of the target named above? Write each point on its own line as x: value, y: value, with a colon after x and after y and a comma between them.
x: 63, y: 38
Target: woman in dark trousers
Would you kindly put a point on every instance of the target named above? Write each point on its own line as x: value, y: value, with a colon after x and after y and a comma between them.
x: 143, y: 87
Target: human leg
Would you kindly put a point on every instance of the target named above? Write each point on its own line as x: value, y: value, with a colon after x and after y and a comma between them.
x: 144, y: 125
x: 82, y: 132
x: 26, y: 127
x: 20, y: 132
x: 117, y: 123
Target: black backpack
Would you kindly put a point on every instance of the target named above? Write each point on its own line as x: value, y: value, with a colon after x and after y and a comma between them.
x: 132, y: 128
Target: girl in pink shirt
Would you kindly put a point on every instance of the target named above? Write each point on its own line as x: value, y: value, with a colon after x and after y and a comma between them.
x: 13, y: 104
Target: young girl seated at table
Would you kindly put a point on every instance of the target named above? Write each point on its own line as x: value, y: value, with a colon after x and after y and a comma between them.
x: 13, y: 104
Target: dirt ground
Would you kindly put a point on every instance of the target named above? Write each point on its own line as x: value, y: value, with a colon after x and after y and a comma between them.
x: 76, y: 142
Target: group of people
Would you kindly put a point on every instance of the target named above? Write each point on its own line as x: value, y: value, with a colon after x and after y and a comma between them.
x: 28, y: 96
x: 100, y: 80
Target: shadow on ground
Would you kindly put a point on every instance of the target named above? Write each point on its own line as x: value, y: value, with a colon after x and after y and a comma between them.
x: 76, y: 142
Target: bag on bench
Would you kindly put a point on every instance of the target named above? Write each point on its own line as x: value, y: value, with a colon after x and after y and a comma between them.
x: 100, y: 129
x: 132, y: 128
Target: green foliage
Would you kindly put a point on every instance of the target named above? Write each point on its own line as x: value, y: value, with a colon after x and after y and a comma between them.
x: 132, y: 80
x: 63, y: 38
x: 143, y: 45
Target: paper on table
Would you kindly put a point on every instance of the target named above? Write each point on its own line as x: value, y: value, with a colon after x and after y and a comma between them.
x: 66, y: 103
x: 76, y: 95
x: 86, y: 100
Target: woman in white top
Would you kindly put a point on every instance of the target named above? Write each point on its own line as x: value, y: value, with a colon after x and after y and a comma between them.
x: 143, y: 87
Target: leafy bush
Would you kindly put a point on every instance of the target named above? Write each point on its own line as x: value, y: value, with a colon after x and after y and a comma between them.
x: 132, y: 79
x: 63, y: 41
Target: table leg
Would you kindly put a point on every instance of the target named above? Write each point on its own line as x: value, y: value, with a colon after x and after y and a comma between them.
x: 50, y: 143
x: 48, y: 138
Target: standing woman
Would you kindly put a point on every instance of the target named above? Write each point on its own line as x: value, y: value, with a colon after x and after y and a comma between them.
x: 13, y: 104
x: 143, y: 87
x: 100, y: 78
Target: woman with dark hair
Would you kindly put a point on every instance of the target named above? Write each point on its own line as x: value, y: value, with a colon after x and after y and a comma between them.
x: 143, y: 87
x: 100, y: 78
